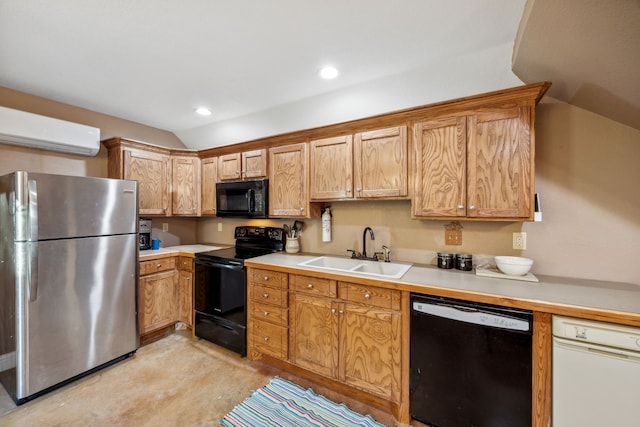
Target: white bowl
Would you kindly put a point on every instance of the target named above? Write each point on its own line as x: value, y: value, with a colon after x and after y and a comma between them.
x: 514, y: 265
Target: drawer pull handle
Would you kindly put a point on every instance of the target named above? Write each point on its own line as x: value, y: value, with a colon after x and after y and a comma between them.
x: 266, y: 313
x: 265, y: 278
x: 309, y: 286
x: 266, y: 339
x: 265, y: 296
x: 367, y: 296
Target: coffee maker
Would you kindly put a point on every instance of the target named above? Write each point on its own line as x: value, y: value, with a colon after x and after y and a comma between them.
x: 144, y: 231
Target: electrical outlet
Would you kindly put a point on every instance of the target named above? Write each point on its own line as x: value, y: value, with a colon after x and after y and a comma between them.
x: 452, y: 237
x: 219, y: 226
x: 165, y: 227
x: 520, y: 240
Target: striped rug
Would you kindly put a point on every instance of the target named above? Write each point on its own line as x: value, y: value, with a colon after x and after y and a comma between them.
x: 282, y: 403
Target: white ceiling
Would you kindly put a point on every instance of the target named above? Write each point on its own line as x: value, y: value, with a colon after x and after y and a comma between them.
x: 155, y: 61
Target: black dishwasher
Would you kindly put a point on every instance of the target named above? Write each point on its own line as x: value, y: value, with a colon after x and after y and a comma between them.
x: 470, y: 363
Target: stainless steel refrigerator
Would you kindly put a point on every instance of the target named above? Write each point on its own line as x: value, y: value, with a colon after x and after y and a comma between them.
x: 68, y: 272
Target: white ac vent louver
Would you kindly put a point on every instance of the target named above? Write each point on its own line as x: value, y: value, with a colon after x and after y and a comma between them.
x: 46, y: 133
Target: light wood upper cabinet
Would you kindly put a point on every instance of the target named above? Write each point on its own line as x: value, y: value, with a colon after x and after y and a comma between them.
x: 367, y: 165
x: 380, y: 163
x: 245, y: 165
x: 152, y: 171
x: 331, y: 168
x: 500, y: 161
x: 476, y: 166
x: 209, y: 179
x: 288, y: 183
x: 185, y: 194
x: 441, y: 167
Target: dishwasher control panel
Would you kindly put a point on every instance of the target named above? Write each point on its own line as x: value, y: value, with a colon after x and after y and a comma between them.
x: 594, y: 332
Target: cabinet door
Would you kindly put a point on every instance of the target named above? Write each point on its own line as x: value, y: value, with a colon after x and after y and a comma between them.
x: 209, y: 179
x: 229, y: 167
x: 151, y: 170
x: 380, y: 164
x: 313, y: 329
x: 185, y: 312
x: 185, y: 193
x: 370, y: 350
x: 440, y: 158
x: 500, y: 164
x: 331, y: 168
x: 157, y: 301
x: 254, y: 164
x: 288, y: 193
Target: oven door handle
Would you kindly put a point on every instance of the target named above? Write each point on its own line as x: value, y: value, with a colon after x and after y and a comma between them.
x: 215, y: 264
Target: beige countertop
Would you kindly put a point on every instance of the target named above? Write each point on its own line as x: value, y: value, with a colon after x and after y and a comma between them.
x: 180, y: 249
x: 600, y: 300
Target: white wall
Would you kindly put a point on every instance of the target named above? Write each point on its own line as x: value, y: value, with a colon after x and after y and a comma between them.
x: 454, y: 77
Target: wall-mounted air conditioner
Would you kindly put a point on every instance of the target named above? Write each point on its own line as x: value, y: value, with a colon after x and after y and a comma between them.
x: 32, y: 130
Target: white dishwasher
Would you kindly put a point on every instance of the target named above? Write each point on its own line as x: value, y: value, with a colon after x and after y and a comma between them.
x: 596, y: 374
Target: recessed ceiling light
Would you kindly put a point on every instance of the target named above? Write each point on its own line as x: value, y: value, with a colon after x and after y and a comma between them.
x: 329, y: 73
x: 203, y: 111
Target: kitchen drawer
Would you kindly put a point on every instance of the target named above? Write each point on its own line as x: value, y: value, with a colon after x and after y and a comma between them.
x: 157, y: 265
x: 268, y: 295
x: 313, y: 285
x: 185, y: 263
x: 270, y: 313
x: 270, y: 339
x: 270, y: 278
x: 369, y: 295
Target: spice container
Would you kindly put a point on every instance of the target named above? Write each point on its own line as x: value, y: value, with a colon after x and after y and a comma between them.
x: 464, y: 262
x: 445, y: 260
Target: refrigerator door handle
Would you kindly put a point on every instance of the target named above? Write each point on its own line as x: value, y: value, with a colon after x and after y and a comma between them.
x: 33, y: 240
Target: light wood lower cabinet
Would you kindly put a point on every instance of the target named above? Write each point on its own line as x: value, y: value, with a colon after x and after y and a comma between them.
x: 356, y: 343
x: 157, y: 300
x: 267, y: 314
x: 165, y: 294
x: 344, y: 331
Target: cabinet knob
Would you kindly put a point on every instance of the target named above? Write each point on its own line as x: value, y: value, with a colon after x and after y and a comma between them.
x: 158, y: 265
x: 265, y: 296
x: 460, y: 206
x: 266, y: 339
x: 309, y: 286
x: 301, y: 209
x: 340, y: 312
x: 266, y: 313
x: 358, y: 190
x: 348, y: 190
x: 367, y: 296
x: 265, y: 278
x: 193, y: 209
x: 472, y: 207
x: 333, y: 311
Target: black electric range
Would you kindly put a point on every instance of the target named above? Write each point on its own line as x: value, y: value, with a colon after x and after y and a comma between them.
x: 221, y: 284
x: 250, y: 242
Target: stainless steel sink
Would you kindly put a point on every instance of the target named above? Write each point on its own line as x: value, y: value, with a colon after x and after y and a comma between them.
x: 389, y: 270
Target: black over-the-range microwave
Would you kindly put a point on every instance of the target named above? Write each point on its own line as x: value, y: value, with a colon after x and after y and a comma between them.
x: 243, y: 199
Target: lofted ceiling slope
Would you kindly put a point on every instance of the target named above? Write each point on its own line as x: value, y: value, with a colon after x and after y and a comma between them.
x: 589, y: 49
